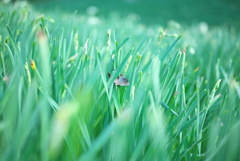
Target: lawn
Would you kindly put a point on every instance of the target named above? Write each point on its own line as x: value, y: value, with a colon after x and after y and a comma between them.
x: 86, y: 86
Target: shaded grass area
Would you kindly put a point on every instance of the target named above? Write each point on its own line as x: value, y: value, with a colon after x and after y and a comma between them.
x: 213, y: 12
x: 57, y: 103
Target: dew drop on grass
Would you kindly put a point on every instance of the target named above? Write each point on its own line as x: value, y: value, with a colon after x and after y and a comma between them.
x: 191, y: 50
x: 203, y: 27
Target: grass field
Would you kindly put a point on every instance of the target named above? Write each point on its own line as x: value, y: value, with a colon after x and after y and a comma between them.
x: 58, y: 103
x: 214, y: 12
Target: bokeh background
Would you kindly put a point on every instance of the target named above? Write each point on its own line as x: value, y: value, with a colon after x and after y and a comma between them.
x: 213, y: 12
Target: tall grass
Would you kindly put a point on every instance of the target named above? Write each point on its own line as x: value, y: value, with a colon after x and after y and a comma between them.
x: 57, y: 102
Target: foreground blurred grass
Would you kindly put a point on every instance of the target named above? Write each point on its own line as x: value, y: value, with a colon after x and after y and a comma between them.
x: 57, y: 103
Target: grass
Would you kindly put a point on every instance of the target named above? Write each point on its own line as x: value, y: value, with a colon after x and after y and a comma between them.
x: 57, y: 102
x: 214, y: 12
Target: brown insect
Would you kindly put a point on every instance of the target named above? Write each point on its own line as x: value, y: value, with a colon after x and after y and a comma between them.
x: 120, y: 81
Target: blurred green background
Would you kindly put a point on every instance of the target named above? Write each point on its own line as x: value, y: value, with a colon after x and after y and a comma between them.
x: 213, y: 12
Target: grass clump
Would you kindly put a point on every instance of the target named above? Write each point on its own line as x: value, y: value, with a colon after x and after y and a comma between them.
x: 57, y: 102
